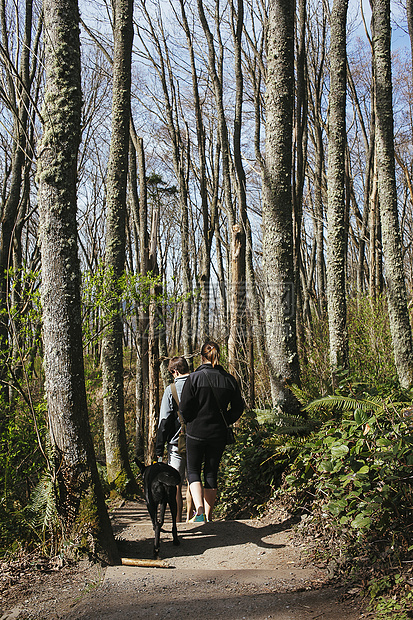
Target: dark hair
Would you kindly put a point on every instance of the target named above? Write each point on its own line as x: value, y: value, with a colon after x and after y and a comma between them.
x: 180, y: 364
x: 210, y: 352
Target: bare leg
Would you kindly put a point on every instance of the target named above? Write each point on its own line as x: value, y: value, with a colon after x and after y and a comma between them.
x: 179, y: 503
x: 190, y: 507
x: 210, y: 496
x: 198, y: 496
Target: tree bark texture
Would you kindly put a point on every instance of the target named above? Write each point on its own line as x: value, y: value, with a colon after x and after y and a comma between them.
x: 237, y: 355
x: 18, y: 98
x: 237, y: 329
x: 216, y: 72
x: 181, y: 157
x: 117, y: 462
x: 142, y: 368
x: 315, y: 103
x: 153, y: 380
x: 75, y: 465
x: 208, y: 222
x: 409, y: 15
x: 336, y: 229
x: 391, y: 240
x: 300, y: 148
x: 278, y: 250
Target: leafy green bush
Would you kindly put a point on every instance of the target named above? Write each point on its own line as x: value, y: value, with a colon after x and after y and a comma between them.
x: 391, y: 596
x: 250, y: 471
x: 370, y: 342
x: 21, y: 464
x: 355, y: 476
x: 370, y: 346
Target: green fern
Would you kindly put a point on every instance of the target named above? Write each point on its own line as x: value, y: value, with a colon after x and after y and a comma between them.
x: 292, y: 425
x: 41, y: 514
x: 366, y: 403
x: 301, y: 395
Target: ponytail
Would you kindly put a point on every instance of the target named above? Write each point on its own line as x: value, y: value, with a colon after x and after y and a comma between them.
x: 210, y: 352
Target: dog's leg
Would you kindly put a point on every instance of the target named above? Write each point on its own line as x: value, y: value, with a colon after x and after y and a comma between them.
x: 152, y: 509
x: 157, y: 541
x: 174, y: 508
x: 158, y: 528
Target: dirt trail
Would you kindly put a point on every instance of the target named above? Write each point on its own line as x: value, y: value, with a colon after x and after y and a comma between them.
x: 224, y: 569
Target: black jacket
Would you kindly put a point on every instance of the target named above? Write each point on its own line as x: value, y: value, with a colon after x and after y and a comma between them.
x: 199, y: 406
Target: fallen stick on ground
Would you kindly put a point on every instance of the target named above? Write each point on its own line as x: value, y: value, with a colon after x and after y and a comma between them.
x: 145, y: 563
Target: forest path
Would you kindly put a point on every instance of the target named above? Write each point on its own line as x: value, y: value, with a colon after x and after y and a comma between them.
x: 243, y: 569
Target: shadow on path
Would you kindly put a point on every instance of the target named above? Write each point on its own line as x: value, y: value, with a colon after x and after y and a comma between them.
x: 134, y: 534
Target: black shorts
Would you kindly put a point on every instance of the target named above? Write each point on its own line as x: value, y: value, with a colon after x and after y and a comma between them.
x: 207, y: 452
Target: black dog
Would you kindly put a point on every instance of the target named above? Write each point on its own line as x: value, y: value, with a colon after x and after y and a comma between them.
x: 159, y: 483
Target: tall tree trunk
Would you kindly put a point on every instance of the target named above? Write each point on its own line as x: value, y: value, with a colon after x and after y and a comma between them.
x: 216, y: 73
x: 153, y: 342
x: 392, y: 247
x: 374, y: 240
x: 208, y: 224
x: 142, y: 362
x: 300, y: 133
x: 237, y: 336
x: 316, y: 99
x: 135, y: 211
x: 238, y: 351
x: 336, y: 230
x: 278, y: 247
x: 221, y: 279
x: 368, y: 182
x: 117, y: 462
x: 409, y: 14
x: 180, y: 157
x: 21, y: 177
x: 18, y: 98
x: 153, y: 378
x: 75, y: 466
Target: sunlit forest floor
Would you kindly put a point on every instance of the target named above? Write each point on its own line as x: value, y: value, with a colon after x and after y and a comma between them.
x: 233, y: 569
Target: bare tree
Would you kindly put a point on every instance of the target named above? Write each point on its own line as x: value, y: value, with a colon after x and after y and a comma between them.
x: 395, y: 278
x: 278, y: 248
x: 74, y: 466
x: 336, y: 228
x: 117, y: 462
x: 19, y: 97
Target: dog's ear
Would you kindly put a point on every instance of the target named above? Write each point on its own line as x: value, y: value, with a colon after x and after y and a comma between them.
x: 140, y: 465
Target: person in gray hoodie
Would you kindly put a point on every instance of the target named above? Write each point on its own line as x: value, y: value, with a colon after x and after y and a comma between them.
x: 169, y: 425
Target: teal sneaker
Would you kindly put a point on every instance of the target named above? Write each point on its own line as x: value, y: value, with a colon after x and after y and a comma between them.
x: 198, y: 519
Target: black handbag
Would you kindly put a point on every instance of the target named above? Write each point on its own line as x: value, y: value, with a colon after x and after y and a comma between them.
x: 230, y: 431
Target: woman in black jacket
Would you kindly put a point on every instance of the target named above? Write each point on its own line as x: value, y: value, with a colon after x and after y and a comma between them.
x: 209, y: 394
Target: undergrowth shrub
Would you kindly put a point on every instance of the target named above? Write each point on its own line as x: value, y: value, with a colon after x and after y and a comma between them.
x: 354, y: 478
x: 391, y: 596
x: 250, y: 471
x: 21, y: 464
x: 314, y: 360
x: 370, y: 348
x: 370, y: 343
x: 247, y: 474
